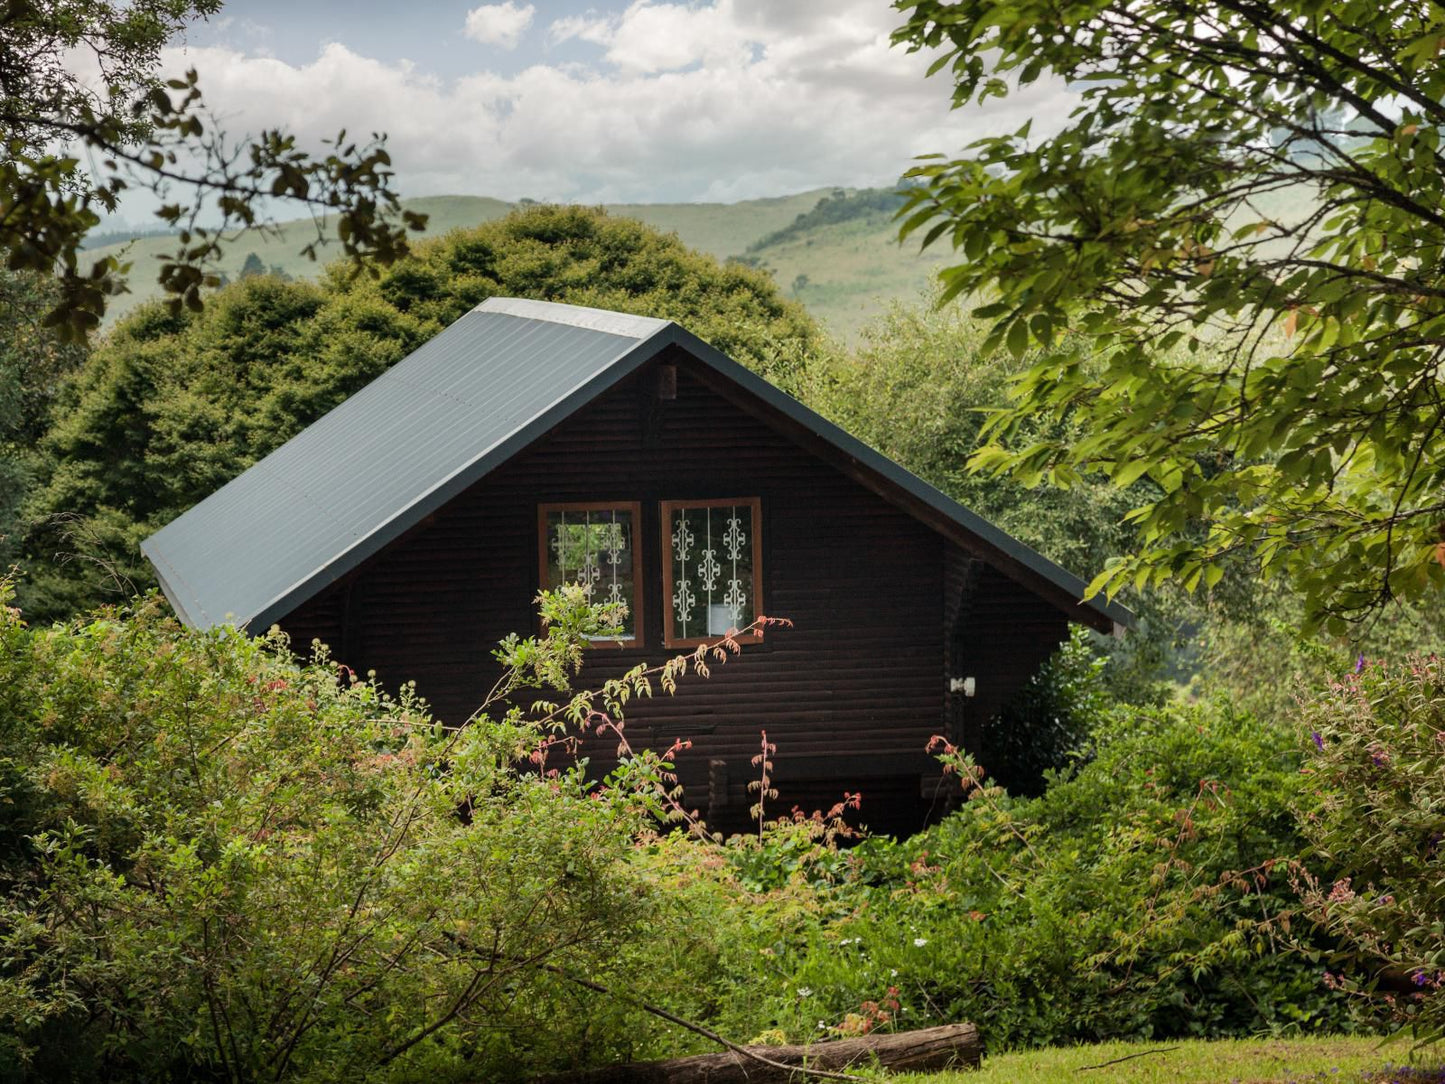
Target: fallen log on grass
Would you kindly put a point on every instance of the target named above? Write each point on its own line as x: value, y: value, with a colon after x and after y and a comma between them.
x: 952, y: 1046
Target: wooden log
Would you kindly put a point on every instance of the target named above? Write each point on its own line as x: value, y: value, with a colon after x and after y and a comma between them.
x: 953, y: 1046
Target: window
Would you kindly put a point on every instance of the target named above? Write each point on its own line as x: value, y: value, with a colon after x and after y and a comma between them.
x: 595, y: 545
x: 712, y: 574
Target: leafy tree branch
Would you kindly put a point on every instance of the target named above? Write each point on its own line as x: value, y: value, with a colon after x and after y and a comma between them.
x: 1233, y: 251
x: 138, y: 133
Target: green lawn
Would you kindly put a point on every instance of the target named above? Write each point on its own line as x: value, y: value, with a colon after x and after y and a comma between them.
x: 1252, y: 1061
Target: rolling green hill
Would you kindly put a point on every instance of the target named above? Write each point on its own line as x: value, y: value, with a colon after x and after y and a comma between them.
x: 846, y: 272
x: 833, y: 250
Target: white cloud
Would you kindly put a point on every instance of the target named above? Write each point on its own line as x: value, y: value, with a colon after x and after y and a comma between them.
x: 594, y: 28
x: 655, y: 37
x: 499, y: 24
x: 657, y: 101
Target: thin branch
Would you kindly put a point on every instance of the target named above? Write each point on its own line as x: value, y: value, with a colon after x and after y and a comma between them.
x: 1128, y: 1057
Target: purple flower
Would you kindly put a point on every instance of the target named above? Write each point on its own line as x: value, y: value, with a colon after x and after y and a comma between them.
x: 1360, y: 663
x: 1419, y: 978
x: 1319, y: 741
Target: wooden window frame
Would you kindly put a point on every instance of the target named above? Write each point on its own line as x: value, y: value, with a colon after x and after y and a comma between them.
x: 638, y: 587
x: 666, y: 509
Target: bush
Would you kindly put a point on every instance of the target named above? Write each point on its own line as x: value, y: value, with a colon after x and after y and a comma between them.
x: 1135, y: 899
x: 217, y: 862
x: 1377, y: 812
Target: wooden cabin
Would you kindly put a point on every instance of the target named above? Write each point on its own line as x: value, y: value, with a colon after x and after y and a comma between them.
x: 531, y: 444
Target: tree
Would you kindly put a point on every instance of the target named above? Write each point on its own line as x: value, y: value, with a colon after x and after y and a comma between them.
x: 34, y: 365
x: 920, y: 386
x: 1233, y: 247
x: 584, y: 256
x: 171, y: 406
x: 143, y: 133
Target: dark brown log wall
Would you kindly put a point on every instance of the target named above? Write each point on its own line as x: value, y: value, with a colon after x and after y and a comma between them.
x: 850, y: 695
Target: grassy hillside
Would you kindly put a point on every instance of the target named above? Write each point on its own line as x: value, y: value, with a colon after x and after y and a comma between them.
x: 834, y: 250
x: 844, y: 271
x: 722, y: 229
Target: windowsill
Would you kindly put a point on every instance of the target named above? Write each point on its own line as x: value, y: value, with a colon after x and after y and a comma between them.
x: 594, y: 642
x: 716, y: 638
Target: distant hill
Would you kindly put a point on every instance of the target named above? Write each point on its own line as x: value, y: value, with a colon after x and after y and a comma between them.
x: 832, y: 249
x: 842, y: 260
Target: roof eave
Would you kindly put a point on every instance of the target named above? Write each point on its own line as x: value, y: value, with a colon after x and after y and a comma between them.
x: 170, y: 583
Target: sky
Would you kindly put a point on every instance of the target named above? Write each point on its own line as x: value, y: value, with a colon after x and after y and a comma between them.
x: 558, y: 100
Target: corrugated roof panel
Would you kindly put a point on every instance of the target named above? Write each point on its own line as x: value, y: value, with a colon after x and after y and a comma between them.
x: 339, y: 484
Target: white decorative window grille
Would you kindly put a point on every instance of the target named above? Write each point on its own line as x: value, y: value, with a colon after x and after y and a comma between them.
x: 713, y: 573
x: 595, y: 546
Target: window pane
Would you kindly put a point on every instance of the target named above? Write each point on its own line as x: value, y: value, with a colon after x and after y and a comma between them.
x: 712, y: 554
x: 593, y: 548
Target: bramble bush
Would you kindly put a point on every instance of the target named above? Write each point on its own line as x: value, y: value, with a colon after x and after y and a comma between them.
x: 1376, y: 811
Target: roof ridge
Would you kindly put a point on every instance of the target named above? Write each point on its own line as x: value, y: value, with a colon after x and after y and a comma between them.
x: 604, y: 320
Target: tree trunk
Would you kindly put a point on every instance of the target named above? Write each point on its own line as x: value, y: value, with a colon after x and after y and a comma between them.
x: 950, y: 1046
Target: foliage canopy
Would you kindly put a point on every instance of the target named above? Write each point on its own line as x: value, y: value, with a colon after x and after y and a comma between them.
x: 1236, y: 245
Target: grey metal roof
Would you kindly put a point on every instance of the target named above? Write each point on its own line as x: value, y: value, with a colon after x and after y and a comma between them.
x: 438, y: 421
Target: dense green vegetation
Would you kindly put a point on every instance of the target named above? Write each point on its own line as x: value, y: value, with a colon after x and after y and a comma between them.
x: 34, y: 365
x: 1149, y: 890
x: 218, y: 861
x: 214, y: 858
x: 1133, y: 899
x: 1378, y: 774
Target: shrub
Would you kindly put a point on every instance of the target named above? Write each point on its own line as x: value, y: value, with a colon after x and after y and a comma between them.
x: 1134, y: 899
x: 1377, y: 812
x: 218, y: 862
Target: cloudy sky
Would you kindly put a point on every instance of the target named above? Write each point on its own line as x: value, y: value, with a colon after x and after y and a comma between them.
x: 654, y: 100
